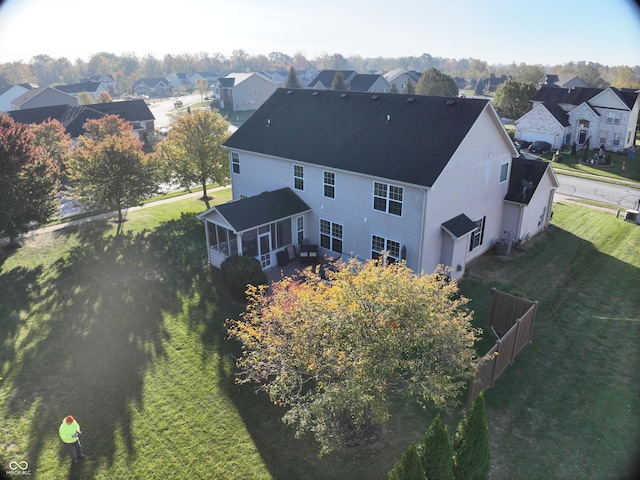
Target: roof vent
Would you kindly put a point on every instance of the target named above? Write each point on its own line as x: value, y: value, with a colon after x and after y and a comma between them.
x: 343, y: 95
x: 451, y: 103
x: 315, y: 94
x: 289, y: 92
x: 268, y: 122
x: 411, y: 99
x: 388, y: 118
x: 375, y: 97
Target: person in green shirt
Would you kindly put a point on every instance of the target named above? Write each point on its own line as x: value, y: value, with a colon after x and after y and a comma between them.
x: 69, y: 431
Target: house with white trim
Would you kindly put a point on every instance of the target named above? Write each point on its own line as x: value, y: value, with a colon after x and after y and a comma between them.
x: 562, y: 116
x: 429, y: 180
x: 244, y: 91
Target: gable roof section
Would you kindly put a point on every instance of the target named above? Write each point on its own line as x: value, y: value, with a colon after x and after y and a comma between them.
x: 459, y: 226
x: 89, y: 86
x: 570, y: 96
x: 325, y: 77
x: 558, y: 113
x: 71, y: 117
x: 131, y: 110
x: 362, y: 82
x: 28, y: 95
x: 258, y: 210
x: 525, y: 177
x: 407, y: 138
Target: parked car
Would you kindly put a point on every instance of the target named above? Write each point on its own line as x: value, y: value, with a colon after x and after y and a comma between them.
x: 177, y: 103
x: 524, y: 143
x: 539, y: 147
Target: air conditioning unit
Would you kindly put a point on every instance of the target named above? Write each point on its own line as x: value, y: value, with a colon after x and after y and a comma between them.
x: 503, y: 247
x: 632, y: 216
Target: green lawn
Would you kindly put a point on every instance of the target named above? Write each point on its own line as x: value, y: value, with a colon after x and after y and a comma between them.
x: 127, y: 335
x: 621, y: 168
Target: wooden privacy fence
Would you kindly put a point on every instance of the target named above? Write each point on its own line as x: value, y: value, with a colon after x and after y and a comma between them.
x: 511, y: 318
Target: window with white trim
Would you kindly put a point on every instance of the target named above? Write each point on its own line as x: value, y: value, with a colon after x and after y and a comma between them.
x: 329, y: 184
x: 381, y: 244
x: 298, y: 177
x: 388, y: 198
x: 603, y: 137
x: 613, y: 118
x: 583, y: 123
x: 331, y: 236
x: 300, y: 229
x: 504, y: 172
x: 616, y: 139
x: 235, y: 162
x: 477, y: 236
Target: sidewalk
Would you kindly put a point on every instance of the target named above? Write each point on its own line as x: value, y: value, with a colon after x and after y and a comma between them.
x: 60, y: 226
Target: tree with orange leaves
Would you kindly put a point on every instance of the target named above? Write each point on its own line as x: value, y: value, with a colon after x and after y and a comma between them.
x: 334, y: 352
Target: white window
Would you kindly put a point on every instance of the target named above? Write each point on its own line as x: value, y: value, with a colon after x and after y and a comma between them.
x: 329, y: 184
x: 613, y: 118
x: 380, y: 244
x: 331, y: 236
x: 603, y: 137
x: 235, y: 162
x: 478, y: 235
x: 504, y: 171
x: 300, y: 229
x: 388, y: 198
x: 616, y: 139
x: 298, y: 177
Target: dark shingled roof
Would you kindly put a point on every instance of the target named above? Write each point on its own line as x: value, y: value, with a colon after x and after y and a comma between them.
x: 459, y: 226
x: 326, y: 77
x: 558, y: 113
x: 578, y: 95
x: 88, y: 86
x: 131, y: 111
x: 525, y: 178
x: 71, y: 117
x: 362, y: 82
x: 262, y: 209
x: 408, y: 138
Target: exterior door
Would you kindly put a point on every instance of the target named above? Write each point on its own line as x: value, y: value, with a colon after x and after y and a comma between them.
x: 264, y: 243
x: 582, y: 137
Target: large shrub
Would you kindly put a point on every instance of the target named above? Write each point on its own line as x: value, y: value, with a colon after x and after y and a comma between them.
x: 238, y: 272
x: 408, y: 467
x: 436, y: 452
x: 471, y: 444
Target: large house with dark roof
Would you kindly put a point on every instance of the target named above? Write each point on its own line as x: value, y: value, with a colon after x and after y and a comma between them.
x: 562, y: 116
x: 91, y: 87
x: 427, y: 179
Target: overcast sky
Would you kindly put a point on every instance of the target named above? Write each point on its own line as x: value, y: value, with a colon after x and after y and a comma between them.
x: 546, y: 32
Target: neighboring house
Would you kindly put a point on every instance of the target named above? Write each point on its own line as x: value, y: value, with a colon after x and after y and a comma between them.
x: 151, y: 86
x: 9, y: 93
x: 368, y: 82
x: 490, y: 84
x: 177, y: 80
x: 73, y: 118
x: 426, y: 179
x: 564, y: 81
x: 210, y: 77
x: 244, y: 91
x: 324, y: 79
x: 42, y: 97
x: 92, y: 88
x: 400, y: 77
x: 562, y: 116
x: 105, y: 80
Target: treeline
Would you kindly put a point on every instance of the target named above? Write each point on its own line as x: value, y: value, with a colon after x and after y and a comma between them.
x: 127, y: 68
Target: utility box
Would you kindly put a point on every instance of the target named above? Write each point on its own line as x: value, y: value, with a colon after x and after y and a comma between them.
x: 503, y: 247
x: 632, y: 216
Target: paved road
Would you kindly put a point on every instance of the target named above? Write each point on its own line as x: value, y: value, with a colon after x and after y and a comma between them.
x: 620, y: 196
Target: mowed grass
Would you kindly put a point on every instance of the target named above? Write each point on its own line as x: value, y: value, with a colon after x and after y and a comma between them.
x: 127, y: 335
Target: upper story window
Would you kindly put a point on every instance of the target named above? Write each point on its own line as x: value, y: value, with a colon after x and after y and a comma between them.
x: 613, y: 118
x: 388, y: 198
x: 298, y: 177
x: 329, y: 184
x: 235, y: 162
x: 583, y: 123
x: 504, y: 172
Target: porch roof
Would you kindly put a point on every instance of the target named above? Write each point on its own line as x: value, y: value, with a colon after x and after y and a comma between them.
x: 258, y: 210
x: 459, y: 226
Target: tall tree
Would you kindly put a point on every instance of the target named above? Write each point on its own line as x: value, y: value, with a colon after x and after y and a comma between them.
x: 28, y: 180
x: 513, y: 99
x: 109, y: 169
x: 202, y: 87
x: 104, y: 97
x: 434, y: 82
x: 192, y: 153
x: 471, y: 444
x: 409, y: 88
x: 338, y: 82
x: 408, y: 466
x: 334, y: 353
x: 85, y: 98
x: 51, y: 136
x: 436, y: 453
x: 292, y: 79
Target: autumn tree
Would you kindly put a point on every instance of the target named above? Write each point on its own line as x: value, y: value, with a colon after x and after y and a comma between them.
x: 292, y: 79
x: 104, y: 97
x: 28, y: 180
x: 191, y: 152
x: 202, y: 87
x: 335, y: 352
x: 513, y: 99
x: 109, y: 169
x: 51, y: 136
x: 434, y: 82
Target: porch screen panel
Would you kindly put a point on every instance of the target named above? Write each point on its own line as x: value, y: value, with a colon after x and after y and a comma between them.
x: 213, y: 237
x: 250, y: 243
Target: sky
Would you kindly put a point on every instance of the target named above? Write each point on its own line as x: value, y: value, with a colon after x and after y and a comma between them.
x: 544, y: 32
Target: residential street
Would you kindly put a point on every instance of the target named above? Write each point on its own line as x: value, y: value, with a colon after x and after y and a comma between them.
x: 620, y: 196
